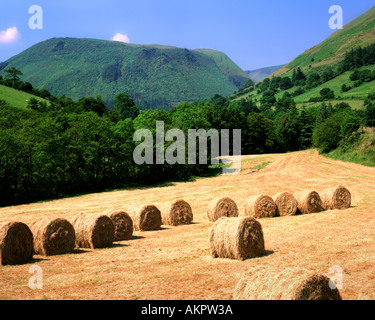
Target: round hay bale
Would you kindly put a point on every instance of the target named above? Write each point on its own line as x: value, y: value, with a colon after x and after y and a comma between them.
x: 260, y: 206
x: 53, y: 236
x: 93, y: 231
x: 145, y: 217
x: 123, y: 225
x: 286, y: 204
x: 308, y: 202
x: 290, y: 284
x: 222, y: 207
x: 336, y: 198
x: 236, y: 238
x: 16, y: 243
x: 176, y: 213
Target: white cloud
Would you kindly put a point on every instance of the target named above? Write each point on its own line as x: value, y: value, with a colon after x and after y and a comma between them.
x: 9, y: 35
x: 121, y: 37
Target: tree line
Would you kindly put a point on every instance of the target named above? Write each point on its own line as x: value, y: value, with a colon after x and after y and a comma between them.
x: 61, y: 150
x: 59, y: 147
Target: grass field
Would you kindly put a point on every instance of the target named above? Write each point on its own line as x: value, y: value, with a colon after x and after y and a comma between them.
x: 355, y: 97
x: 175, y: 262
x: 16, y: 98
x: 359, y: 93
x: 354, y: 104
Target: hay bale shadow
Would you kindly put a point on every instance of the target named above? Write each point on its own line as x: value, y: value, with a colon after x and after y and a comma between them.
x: 119, y: 245
x: 78, y: 251
x: 36, y: 260
x: 267, y: 253
x: 137, y: 237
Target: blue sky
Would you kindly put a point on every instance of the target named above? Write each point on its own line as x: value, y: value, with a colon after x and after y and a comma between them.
x: 252, y: 33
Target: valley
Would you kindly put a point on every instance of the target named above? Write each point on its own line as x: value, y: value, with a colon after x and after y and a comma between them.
x: 175, y: 262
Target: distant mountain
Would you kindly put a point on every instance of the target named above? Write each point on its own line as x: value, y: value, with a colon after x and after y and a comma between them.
x: 262, y: 73
x: 154, y: 76
x: 234, y: 73
x: 359, y: 32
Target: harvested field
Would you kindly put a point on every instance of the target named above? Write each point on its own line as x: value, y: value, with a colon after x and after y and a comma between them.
x: 175, y: 262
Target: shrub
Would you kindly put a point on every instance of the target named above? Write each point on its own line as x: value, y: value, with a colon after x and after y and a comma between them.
x: 327, y: 93
x: 350, y: 124
x: 370, y: 114
x: 313, y: 80
x: 345, y: 88
x: 327, y: 135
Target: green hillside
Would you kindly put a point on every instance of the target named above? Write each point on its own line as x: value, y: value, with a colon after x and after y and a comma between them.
x: 358, y: 148
x: 16, y: 98
x: 154, y: 76
x: 359, y: 93
x: 327, y: 62
x: 227, y: 66
x: 260, y: 74
x: 359, y: 32
x: 354, y: 97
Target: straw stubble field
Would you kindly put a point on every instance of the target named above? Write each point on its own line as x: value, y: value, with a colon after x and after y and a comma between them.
x: 175, y: 262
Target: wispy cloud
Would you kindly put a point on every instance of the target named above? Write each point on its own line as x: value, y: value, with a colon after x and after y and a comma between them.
x: 121, y: 37
x: 9, y: 35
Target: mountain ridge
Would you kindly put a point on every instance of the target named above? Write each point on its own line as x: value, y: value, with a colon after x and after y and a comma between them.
x: 262, y: 73
x: 155, y: 76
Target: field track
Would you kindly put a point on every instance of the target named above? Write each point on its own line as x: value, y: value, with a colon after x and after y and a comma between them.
x: 175, y: 262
